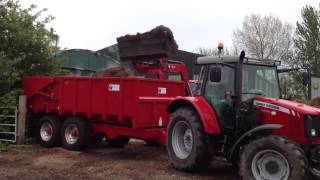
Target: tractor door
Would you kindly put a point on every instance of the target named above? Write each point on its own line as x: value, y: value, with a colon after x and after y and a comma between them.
x: 219, y: 92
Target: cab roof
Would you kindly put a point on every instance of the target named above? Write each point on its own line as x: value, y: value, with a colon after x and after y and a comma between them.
x: 235, y: 59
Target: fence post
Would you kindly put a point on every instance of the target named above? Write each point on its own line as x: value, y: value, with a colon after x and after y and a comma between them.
x: 21, y: 123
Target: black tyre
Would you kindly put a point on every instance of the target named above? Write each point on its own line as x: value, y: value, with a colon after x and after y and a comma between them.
x: 186, y: 141
x: 314, y: 173
x: 75, y: 133
x: 273, y: 157
x: 49, y: 131
x: 119, y: 142
x: 153, y: 143
x: 96, y: 139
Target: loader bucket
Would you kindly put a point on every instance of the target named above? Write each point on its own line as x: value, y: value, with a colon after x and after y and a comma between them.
x: 157, y: 43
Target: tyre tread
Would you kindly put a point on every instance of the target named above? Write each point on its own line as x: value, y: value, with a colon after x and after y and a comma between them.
x: 202, y: 158
x: 291, y: 151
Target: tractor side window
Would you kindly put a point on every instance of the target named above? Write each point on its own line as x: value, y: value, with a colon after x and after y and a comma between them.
x: 197, y: 89
x: 218, y: 93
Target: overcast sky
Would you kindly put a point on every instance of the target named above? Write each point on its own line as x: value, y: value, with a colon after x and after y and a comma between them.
x: 95, y: 24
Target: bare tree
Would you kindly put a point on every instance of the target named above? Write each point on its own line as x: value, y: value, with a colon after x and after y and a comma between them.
x: 206, y: 51
x: 264, y: 37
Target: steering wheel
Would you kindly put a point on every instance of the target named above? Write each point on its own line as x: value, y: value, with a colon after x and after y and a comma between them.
x: 252, y: 93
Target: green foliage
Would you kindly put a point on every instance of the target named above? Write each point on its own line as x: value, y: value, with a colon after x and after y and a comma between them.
x: 307, y: 41
x: 4, y: 147
x: 306, y: 54
x: 291, y: 86
x: 26, y: 48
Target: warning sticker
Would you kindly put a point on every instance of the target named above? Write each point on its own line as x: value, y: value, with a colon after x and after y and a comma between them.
x: 162, y: 90
x: 114, y: 87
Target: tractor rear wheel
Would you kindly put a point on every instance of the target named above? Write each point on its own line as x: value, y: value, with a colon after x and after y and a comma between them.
x: 187, y: 143
x: 75, y: 133
x: 49, y: 131
x: 273, y: 157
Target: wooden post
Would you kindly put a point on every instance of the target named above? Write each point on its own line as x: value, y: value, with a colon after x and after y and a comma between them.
x: 21, y: 122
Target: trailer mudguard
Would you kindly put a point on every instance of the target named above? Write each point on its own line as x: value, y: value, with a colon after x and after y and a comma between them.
x: 207, y: 115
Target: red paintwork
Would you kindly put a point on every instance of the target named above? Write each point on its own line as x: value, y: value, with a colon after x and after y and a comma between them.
x: 161, y: 68
x: 156, y: 134
x: 295, y: 106
x: 292, y: 121
x: 205, y: 111
x: 138, y: 109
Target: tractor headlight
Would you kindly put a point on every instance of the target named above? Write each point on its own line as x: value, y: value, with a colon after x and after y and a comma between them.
x: 313, y: 132
x: 312, y: 126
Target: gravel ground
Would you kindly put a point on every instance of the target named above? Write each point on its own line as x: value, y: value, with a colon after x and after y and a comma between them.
x: 135, y: 162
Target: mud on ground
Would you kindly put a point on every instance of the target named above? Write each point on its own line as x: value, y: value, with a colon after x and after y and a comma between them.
x: 135, y: 162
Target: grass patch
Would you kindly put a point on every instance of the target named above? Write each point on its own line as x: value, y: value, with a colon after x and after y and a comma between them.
x: 4, y: 147
x: 31, y: 140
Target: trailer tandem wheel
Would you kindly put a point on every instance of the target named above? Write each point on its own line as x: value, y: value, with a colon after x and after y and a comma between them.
x: 49, y: 131
x: 75, y: 133
x: 187, y: 144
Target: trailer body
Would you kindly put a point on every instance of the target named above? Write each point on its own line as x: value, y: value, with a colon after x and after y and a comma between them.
x: 133, y: 107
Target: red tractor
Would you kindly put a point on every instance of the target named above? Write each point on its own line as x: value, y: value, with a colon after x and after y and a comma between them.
x: 236, y: 112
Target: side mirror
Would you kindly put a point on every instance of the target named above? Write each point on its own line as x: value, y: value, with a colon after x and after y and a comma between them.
x: 215, y: 74
x: 305, y: 78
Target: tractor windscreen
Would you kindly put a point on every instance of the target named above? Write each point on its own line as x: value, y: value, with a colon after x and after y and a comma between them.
x: 259, y: 80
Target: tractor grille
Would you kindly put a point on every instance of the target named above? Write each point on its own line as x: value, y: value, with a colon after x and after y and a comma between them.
x: 312, y: 125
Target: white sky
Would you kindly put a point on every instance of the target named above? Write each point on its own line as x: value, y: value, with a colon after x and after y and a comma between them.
x: 95, y: 24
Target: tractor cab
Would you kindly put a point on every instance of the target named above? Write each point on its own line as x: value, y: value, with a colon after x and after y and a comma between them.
x: 231, y: 83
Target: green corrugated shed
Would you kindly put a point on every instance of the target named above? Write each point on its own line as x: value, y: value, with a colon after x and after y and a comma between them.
x: 189, y: 59
x: 85, y: 62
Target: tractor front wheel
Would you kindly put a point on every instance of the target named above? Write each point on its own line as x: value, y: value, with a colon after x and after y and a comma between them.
x: 187, y: 144
x: 273, y: 157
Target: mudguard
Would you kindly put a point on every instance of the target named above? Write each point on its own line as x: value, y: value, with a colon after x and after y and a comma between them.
x: 248, y: 133
x: 207, y: 115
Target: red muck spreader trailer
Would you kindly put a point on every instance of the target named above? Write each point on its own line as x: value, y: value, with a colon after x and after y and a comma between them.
x: 76, y: 110
x: 86, y: 107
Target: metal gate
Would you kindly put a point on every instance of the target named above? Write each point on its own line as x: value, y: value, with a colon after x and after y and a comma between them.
x: 315, y: 87
x: 8, y: 124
